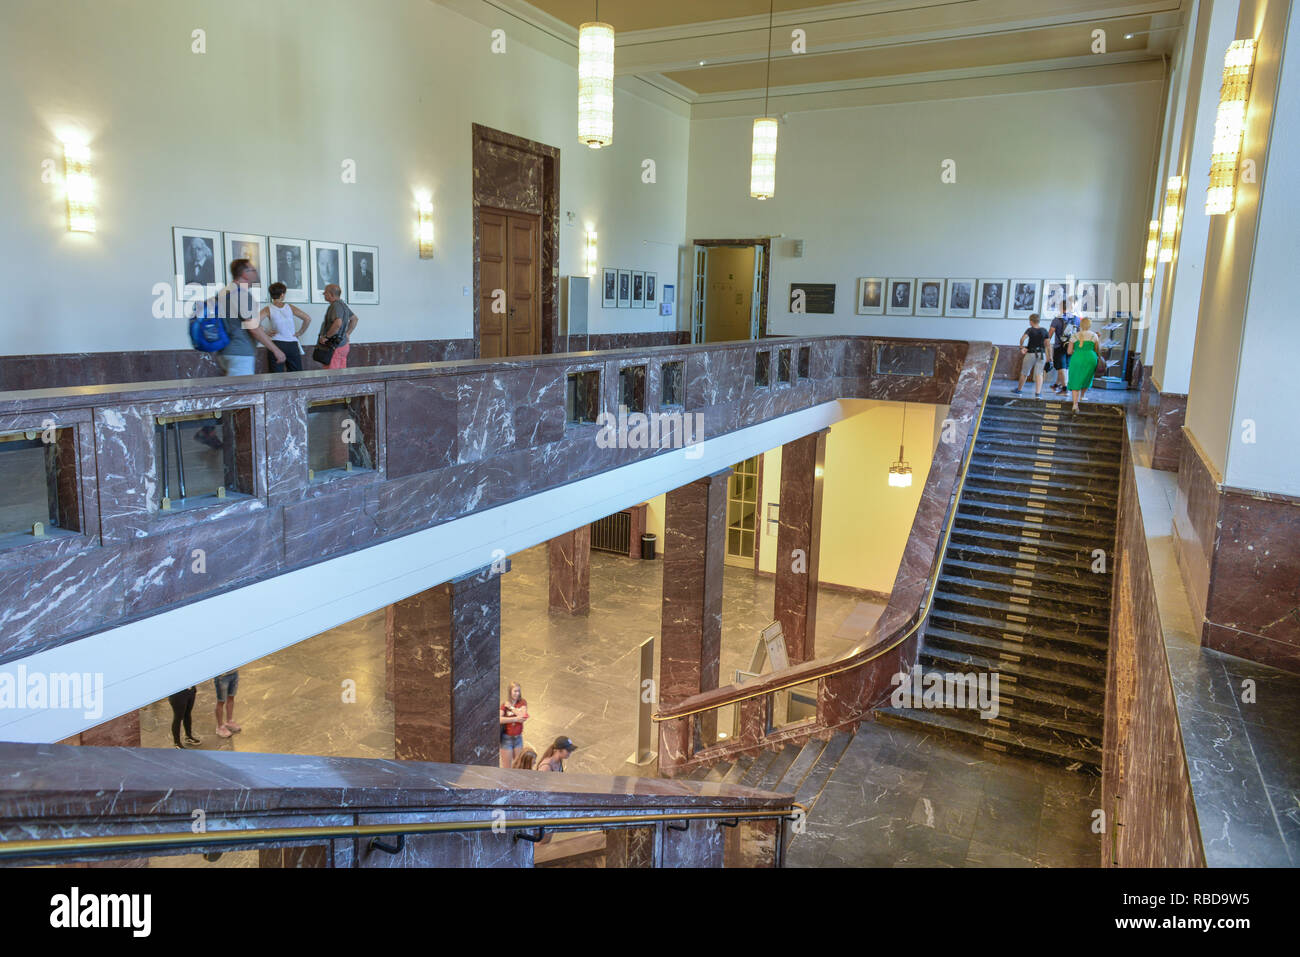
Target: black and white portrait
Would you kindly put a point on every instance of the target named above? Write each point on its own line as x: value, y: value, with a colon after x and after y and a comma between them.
x: 624, y: 288
x: 900, y: 297
x: 250, y: 247
x: 326, y: 268
x: 1024, y: 298
x: 287, y: 262
x: 363, y: 275
x: 871, y: 297
x: 638, y: 290
x: 929, y: 297
x: 651, y: 290
x: 961, y: 297
x: 200, y: 262
x: 1055, y: 293
x: 992, y: 299
x: 1091, y: 298
x: 289, y: 266
x: 609, y: 292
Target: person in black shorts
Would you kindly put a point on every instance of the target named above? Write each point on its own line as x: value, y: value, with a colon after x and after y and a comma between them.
x: 1060, y: 337
x: 1033, y: 346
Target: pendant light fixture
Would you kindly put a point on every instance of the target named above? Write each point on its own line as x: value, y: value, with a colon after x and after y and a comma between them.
x: 762, y: 163
x: 900, y: 473
x: 596, y: 83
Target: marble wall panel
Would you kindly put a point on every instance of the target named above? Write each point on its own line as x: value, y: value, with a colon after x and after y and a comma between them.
x: 341, y: 521
x: 422, y: 428
x: 43, y: 602
x: 1165, y: 430
x: 1195, y: 524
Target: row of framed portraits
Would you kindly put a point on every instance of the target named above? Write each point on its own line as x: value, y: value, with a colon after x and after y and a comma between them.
x: 629, y: 288
x: 978, y: 298
x: 305, y: 267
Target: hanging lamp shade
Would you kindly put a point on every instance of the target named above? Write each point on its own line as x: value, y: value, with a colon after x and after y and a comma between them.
x: 762, y: 164
x: 596, y: 84
x: 900, y: 473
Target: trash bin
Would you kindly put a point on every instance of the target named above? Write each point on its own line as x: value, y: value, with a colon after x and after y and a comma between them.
x: 648, y: 546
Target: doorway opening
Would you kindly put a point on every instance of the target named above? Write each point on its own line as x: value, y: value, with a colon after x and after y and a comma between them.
x: 742, y: 513
x: 729, y: 291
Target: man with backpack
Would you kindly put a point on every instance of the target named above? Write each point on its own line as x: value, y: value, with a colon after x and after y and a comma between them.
x: 1062, y: 330
x: 238, y: 310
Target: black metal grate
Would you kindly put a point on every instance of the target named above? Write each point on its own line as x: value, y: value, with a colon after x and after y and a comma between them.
x: 613, y: 533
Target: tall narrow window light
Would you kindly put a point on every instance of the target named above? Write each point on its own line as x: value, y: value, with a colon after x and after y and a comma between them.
x: 596, y: 83
x: 1229, y: 127
x: 79, y: 186
x: 1153, y: 245
x: 900, y: 473
x: 762, y: 164
x: 1169, y: 226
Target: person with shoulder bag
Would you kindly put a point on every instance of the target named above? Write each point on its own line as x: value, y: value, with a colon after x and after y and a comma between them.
x: 335, y: 340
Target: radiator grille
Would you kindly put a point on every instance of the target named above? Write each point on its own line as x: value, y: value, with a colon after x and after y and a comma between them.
x: 613, y: 533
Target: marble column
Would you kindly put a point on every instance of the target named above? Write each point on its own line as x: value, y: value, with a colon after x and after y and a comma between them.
x: 695, y: 528
x: 121, y: 732
x: 570, y: 557
x: 447, y: 671
x: 798, y: 543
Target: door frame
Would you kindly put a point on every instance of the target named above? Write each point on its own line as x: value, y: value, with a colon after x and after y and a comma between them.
x: 766, y: 243
x: 515, y: 175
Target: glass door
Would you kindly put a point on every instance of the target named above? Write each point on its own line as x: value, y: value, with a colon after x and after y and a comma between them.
x: 698, y: 296
x: 742, y: 513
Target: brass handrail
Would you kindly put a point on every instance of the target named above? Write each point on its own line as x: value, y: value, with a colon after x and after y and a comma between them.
x: 42, y: 847
x: 923, y: 611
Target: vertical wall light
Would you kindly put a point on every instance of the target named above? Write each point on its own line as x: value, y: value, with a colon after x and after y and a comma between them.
x: 592, y: 259
x: 1229, y: 127
x: 1153, y: 245
x: 425, y: 230
x: 762, y: 163
x: 900, y: 473
x: 79, y: 185
x: 1169, y: 225
x: 596, y: 83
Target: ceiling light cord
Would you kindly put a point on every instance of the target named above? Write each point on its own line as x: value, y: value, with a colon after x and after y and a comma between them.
x: 767, y: 85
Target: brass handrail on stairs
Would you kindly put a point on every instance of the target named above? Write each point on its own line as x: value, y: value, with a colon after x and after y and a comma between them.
x: 855, y: 658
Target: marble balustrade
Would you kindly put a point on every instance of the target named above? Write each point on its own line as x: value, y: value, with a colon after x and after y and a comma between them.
x: 449, y: 439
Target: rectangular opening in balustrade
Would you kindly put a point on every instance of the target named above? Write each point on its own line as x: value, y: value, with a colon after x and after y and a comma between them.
x: 631, y: 388
x: 762, y: 366
x: 38, y: 485
x: 673, y: 382
x: 805, y: 359
x: 899, y: 359
x: 203, y: 458
x: 341, y: 437
x: 783, y: 365
x: 582, y: 397
x: 794, y: 705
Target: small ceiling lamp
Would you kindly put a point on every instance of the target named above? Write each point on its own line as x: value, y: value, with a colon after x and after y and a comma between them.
x: 79, y: 185
x: 762, y: 163
x: 900, y: 473
x: 1173, y: 196
x: 1153, y: 246
x: 1229, y: 127
x: 596, y: 83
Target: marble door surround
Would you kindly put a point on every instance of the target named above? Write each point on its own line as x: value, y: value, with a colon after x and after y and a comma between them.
x: 798, y: 543
x: 523, y: 176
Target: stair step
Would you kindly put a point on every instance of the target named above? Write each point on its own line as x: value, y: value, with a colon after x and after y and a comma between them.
x: 1087, y: 690
x: 1048, y: 604
x: 1108, y: 463
x: 1028, y: 559
x: 1010, y: 405
x: 975, y: 620
x: 718, y: 771
x: 812, y: 785
x: 1087, y: 581
x: 1050, y: 436
x: 1002, y: 650
x: 996, y: 503
x: 756, y: 769
x: 1106, y: 424
x: 803, y: 763
x: 1075, y: 731
x: 966, y: 519
x: 1040, y: 485
x: 738, y: 769
x: 1104, y: 478
x: 995, y: 739
x: 781, y: 761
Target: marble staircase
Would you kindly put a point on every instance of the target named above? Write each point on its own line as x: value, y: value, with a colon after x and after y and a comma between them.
x: 1018, y: 594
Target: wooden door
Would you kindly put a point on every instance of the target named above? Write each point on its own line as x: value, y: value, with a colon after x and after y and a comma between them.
x: 510, y: 263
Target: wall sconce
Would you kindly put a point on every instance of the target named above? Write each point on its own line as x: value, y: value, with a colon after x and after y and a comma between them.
x: 1153, y: 245
x: 1173, y: 194
x: 80, y: 188
x: 592, y: 257
x: 1229, y: 127
x: 426, y: 229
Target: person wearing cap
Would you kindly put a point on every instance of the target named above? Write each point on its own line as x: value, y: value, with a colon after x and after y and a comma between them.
x: 554, y: 757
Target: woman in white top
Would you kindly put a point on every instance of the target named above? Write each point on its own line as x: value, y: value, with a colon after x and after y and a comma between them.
x: 282, y: 318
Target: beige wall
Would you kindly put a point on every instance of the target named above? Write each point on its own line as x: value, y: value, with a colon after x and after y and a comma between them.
x: 729, y: 293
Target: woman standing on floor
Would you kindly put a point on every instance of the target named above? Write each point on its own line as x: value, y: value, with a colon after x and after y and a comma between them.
x: 182, y: 703
x: 514, y: 712
x: 1082, y: 351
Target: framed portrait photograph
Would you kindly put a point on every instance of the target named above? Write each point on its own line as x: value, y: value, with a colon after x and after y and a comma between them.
x: 991, y: 299
x: 609, y: 288
x: 363, y: 275
x: 326, y: 267
x: 252, y: 248
x: 200, y: 262
x: 961, y: 298
x: 899, y: 302
x: 651, y: 289
x: 624, y: 288
x: 638, y: 290
x: 1056, y: 292
x: 286, y: 262
x: 1023, y: 298
x: 1090, y: 296
x: 929, y: 297
x: 871, y: 297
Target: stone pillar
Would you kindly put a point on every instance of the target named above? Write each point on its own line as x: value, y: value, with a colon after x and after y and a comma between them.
x: 390, y: 674
x: 447, y: 671
x: 695, y: 528
x: 570, y: 556
x: 121, y: 732
x: 798, y: 542
x: 629, y: 847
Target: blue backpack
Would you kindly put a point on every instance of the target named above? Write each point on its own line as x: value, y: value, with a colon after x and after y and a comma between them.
x: 207, y: 329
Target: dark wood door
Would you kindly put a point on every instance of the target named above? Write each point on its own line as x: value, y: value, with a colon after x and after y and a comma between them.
x: 510, y: 264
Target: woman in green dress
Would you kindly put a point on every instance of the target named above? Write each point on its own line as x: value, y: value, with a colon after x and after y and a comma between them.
x: 1082, y: 351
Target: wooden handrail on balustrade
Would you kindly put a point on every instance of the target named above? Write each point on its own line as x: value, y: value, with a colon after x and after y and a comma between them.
x: 862, y: 654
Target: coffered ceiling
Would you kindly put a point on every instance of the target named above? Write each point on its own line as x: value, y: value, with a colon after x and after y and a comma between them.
x: 715, y: 51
